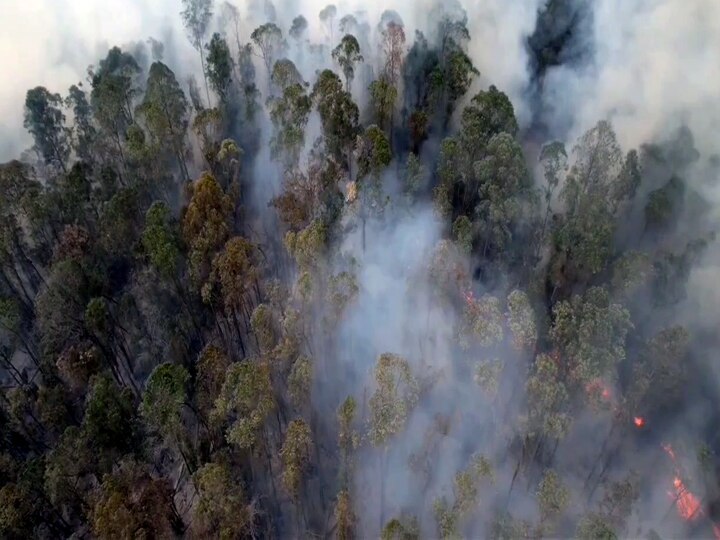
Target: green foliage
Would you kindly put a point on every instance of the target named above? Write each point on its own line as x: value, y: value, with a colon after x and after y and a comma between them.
x: 109, y: 421
x: 220, y: 66
x: 395, y: 395
x: 165, y: 112
x: 289, y: 114
x: 222, y: 510
x: 595, y: 186
x: 212, y: 367
x: 594, y: 527
x: 590, y: 332
x: 547, y: 399
x: 285, y: 74
x: 382, y: 97
x: 245, y: 401
x: 163, y: 399
x: 463, y: 233
x: 553, y: 497
x: 487, y: 375
x: 236, y: 269
x: 505, y: 191
x: 631, y: 272
x: 67, y: 469
x: 206, y: 224
x: 85, y: 134
x: 19, y: 511
x: 490, y: 113
x: 660, y: 374
x: 196, y: 16
x: 482, y: 322
x: 338, y: 114
x: 300, y: 381
x: 113, y: 87
x: 159, y: 240
x: 416, y: 176
x: 663, y: 205
x: 133, y: 504
x: 401, y: 528
x: 345, y: 516
x: 295, y: 455
x: 347, y: 54
x: 308, y: 245
x: 466, y: 491
x: 521, y: 319
x: 263, y: 326
x: 269, y: 39
x: 373, y: 152
x: 45, y: 120
x: 299, y: 27
x: 129, y: 292
x: 447, y: 520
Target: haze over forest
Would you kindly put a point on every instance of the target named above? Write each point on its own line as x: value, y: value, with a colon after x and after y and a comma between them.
x: 397, y: 270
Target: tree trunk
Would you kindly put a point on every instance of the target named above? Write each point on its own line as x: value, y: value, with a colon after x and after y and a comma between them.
x: 202, y: 64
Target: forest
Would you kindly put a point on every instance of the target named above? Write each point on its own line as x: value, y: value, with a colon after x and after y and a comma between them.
x: 325, y: 282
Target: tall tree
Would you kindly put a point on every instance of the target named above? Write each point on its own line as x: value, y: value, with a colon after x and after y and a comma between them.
x: 196, y: 15
x: 84, y: 133
x: 220, y: 66
x: 338, y: 114
x: 298, y: 28
x: 222, y: 510
x: 590, y: 332
x: 327, y: 17
x: 245, y: 401
x: 45, y: 120
x: 161, y: 408
x: 289, y: 114
x: 269, y: 39
x: 165, y: 110
x: 347, y: 54
x: 132, y: 503
x: 113, y: 89
x: 206, y: 224
x: 295, y: 454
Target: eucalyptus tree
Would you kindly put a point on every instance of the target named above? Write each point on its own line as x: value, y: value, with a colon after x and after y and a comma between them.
x: 196, y: 15
x: 347, y: 54
x: 166, y: 115
x: 45, y: 120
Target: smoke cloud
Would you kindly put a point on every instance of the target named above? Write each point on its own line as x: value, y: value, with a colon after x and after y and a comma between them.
x: 649, y: 67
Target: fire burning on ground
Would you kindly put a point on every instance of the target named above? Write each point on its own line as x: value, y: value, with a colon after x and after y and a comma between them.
x: 639, y: 421
x: 687, y: 503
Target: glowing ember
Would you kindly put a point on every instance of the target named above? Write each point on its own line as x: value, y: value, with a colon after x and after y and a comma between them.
x: 598, y: 387
x: 469, y: 297
x: 639, y: 421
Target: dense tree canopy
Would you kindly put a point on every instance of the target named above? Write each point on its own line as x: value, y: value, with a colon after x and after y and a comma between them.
x: 353, y: 291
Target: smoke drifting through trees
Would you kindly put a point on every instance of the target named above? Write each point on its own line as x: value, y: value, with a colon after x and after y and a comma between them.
x: 383, y: 271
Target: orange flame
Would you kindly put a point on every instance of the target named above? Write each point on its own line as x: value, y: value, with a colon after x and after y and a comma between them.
x: 639, y: 421
x: 688, y: 505
x: 668, y: 449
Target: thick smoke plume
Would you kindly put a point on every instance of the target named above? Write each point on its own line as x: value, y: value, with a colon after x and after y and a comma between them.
x: 501, y: 422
